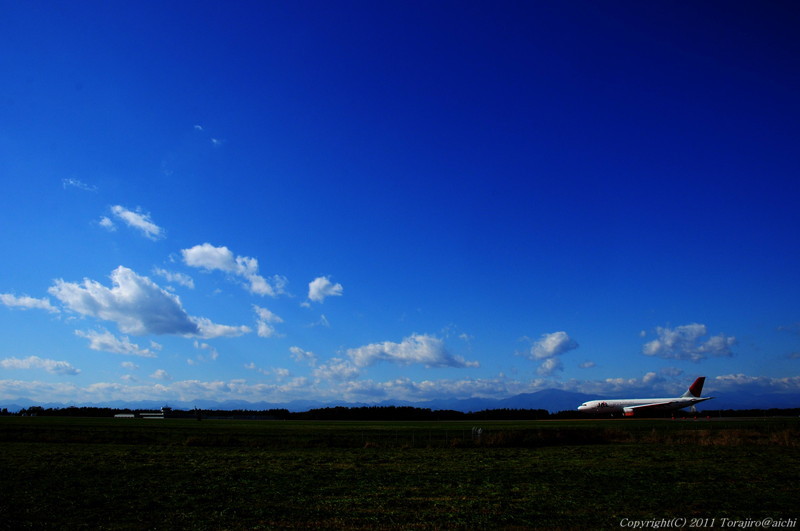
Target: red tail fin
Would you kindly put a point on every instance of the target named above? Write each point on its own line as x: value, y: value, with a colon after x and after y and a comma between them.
x: 696, y: 388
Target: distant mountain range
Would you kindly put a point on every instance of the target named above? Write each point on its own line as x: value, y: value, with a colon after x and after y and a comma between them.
x: 553, y: 400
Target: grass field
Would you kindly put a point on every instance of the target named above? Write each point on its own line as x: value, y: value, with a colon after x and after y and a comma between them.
x: 67, y: 473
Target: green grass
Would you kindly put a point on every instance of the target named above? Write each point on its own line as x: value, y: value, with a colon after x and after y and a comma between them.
x: 136, y: 474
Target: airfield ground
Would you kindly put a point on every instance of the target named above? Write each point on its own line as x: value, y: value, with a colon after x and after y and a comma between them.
x: 72, y: 473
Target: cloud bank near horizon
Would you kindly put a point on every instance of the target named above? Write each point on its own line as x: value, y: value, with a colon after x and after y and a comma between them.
x: 167, y: 388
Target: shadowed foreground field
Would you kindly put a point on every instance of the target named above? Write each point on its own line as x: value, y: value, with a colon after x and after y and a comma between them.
x: 136, y: 474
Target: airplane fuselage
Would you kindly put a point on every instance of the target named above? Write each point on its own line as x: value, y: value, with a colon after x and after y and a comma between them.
x: 620, y: 405
x: 632, y: 406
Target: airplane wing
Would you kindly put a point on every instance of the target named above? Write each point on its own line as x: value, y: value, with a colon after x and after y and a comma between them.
x: 672, y: 404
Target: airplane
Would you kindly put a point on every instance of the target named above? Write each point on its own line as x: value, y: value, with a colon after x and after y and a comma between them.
x: 631, y: 406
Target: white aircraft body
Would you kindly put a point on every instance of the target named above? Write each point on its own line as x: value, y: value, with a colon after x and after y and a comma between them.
x: 631, y: 406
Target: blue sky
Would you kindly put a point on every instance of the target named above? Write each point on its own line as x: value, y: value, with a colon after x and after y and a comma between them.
x: 269, y: 201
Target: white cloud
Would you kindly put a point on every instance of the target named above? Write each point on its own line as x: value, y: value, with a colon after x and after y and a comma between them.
x: 177, y: 278
x: 135, y: 303
x: 161, y: 374
x: 138, y: 306
x: 276, y: 392
x: 548, y: 348
x: 303, y: 356
x: 669, y: 381
x: 587, y: 365
x: 108, y: 342
x: 211, y: 258
x: 765, y: 384
x: 407, y: 389
x: 322, y: 321
x: 417, y: 348
x: 129, y: 365
x: 684, y: 343
x: 26, y: 303
x: 212, y: 352
x: 138, y: 220
x: 107, y: 224
x: 322, y: 287
x: 266, y: 315
x: 185, y: 390
x: 253, y: 367
x: 265, y: 330
x: 209, y: 330
x: 549, y: 366
x: 279, y: 373
x: 264, y: 320
x: 212, y: 355
x: 650, y: 377
x: 551, y: 345
x: 35, y: 362
x: 336, y: 369
x: 644, y: 386
x: 80, y: 185
x: 282, y: 392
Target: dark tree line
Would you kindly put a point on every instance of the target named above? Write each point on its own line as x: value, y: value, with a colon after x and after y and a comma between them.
x: 405, y: 413
x: 373, y: 413
x: 416, y: 413
x: 377, y: 413
x: 72, y: 411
